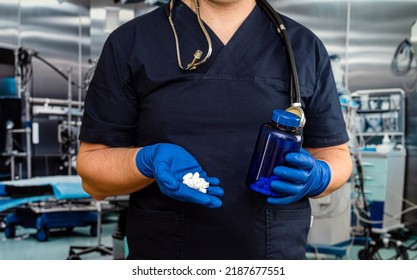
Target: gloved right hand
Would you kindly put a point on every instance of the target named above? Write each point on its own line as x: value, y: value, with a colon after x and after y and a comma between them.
x: 168, y: 163
x: 303, y: 176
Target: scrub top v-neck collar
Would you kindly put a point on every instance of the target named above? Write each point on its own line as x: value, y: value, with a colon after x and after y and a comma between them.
x: 238, y: 45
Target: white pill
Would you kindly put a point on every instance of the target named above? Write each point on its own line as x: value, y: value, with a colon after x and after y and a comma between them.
x: 188, y: 176
x: 194, y: 181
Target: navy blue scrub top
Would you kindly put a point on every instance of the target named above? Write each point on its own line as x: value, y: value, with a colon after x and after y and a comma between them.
x: 139, y: 97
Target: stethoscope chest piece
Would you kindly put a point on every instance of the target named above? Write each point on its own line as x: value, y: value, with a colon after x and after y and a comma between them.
x: 296, y: 110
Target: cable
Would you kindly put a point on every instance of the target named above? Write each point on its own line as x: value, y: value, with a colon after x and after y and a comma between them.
x: 25, y: 64
x: 57, y: 70
x: 391, y: 217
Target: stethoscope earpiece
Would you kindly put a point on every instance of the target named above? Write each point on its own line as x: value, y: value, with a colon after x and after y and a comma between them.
x: 197, y: 59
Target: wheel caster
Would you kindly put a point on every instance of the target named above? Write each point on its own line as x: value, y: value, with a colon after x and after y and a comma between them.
x: 10, y: 232
x: 42, y: 234
x: 363, y: 254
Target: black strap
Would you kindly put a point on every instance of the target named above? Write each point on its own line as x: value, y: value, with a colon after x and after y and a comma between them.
x: 276, y: 19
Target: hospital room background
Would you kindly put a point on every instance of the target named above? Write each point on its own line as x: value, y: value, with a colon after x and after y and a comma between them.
x: 48, y: 53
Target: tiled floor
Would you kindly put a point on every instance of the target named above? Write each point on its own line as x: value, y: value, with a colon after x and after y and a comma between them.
x: 25, y: 246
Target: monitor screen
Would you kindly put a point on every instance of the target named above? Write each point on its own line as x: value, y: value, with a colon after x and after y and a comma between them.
x: 7, y: 73
x: 7, y: 57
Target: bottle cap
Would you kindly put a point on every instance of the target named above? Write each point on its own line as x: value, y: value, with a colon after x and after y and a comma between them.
x: 286, y: 118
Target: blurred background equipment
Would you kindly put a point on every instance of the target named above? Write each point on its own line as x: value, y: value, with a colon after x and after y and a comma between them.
x: 48, y: 53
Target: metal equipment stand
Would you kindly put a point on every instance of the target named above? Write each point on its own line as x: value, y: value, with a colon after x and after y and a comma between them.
x: 99, y: 248
x: 13, y: 154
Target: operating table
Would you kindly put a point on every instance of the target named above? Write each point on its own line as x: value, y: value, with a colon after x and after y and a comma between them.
x: 46, y: 203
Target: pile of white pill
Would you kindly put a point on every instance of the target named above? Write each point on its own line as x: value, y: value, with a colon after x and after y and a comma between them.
x: 194, y: 181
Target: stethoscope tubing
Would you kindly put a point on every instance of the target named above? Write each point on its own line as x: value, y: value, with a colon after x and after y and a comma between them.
x: 295, y: 93
x: 279, y: 24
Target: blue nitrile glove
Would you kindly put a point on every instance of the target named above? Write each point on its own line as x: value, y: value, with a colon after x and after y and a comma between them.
x: 168, y: 163
x: 304, y: 176
x: 263, y: 186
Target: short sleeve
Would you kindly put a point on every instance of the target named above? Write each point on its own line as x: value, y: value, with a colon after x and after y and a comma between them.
x: 110, y: 114
x: 325, y: 125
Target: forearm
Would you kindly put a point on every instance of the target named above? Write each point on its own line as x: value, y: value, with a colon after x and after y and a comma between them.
x: 109, y: 171
x: 339, y: 160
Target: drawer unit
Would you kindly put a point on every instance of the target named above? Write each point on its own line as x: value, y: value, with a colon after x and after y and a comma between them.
x: 383, y: 185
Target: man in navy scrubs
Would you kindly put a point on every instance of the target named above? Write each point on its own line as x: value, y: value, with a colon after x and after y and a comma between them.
x: 149, y: 121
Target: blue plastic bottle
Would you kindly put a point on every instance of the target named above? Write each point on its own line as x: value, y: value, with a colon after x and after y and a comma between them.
x: 275, y: 140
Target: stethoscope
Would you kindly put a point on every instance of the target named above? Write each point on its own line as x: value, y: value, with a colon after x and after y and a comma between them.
x: 198, y: 59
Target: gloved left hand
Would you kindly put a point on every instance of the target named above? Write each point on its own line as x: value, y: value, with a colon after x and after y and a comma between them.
x: 304, y: 176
